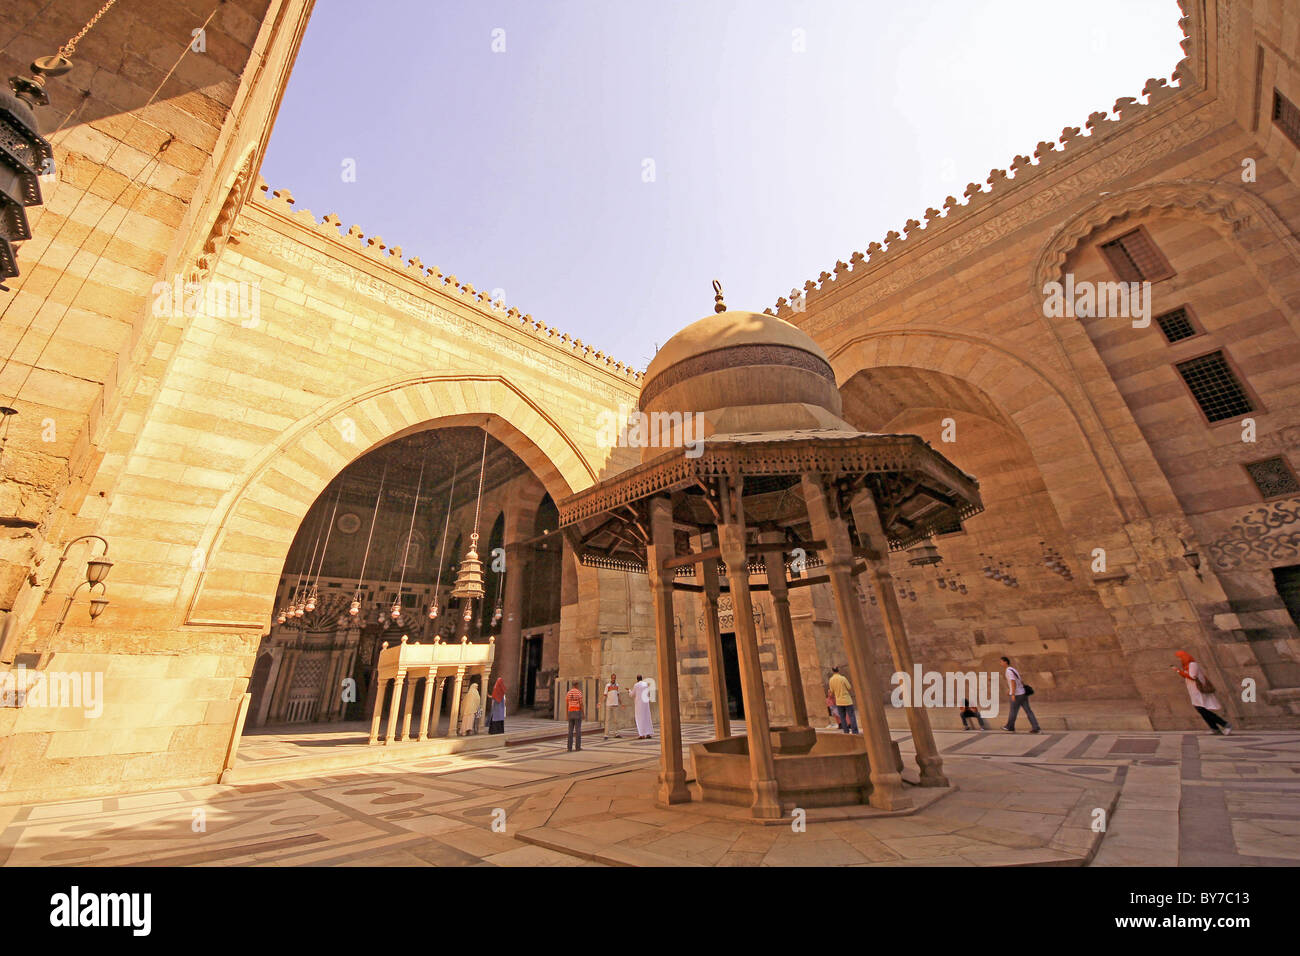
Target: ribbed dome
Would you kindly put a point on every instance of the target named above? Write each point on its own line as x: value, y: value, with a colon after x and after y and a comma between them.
x: 725, y: 329
x: 743, y: 372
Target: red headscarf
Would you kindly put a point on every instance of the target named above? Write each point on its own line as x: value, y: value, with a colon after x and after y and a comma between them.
x: 1186, y: 660
x: 499, y: 690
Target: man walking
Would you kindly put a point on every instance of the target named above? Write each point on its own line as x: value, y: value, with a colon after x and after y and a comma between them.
x: 1019, y: 699
x: 574, y: 704
x: 613, y: 710
x: 843, y: 694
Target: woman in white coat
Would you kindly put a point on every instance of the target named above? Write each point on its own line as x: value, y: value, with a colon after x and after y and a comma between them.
x: 1201, y: 691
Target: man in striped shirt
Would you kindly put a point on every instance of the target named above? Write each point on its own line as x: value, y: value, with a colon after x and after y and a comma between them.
x: 574, y: 705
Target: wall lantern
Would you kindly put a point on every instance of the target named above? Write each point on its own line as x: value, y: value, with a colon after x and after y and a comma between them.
x: 96, y: 571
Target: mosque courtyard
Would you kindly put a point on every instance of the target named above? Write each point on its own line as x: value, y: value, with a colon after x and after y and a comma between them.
x: 1069, y: 798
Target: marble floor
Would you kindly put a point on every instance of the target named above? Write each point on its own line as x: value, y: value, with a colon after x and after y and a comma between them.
x: 1168, y: 798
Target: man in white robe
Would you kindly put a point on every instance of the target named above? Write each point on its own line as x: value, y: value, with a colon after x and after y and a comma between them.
x: 641, y: 699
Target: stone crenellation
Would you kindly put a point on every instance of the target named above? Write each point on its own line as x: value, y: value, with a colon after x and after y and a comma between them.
x: 282, y: 201
x: 1100, y: 126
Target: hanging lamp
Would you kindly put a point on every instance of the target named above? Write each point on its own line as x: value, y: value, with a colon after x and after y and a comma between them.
x: 296, y: 600
x: 434, y: 610
x: 355, y: 609
x: 406, y: 552
x: 313, y: 593
x: 469, y: 580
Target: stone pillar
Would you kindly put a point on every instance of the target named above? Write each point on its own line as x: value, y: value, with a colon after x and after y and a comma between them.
x: 828, y: 525
x: 453, y: 727
x: 713, y: 640
x: 378, y: 714
x: 427, y: 704
x: 509, y: 651
x: 268, y: 689
x: 408, y: 710
x: 780, y: 592
x: 345, y: 672
x: 286, y: 685
x: 767, y: 801
x: 394, y: 705
x: 672, y: 773
x: 441, y: 683
x: 874, y: 544
x: 329, y: 687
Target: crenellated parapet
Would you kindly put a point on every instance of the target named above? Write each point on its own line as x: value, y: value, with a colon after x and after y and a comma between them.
x: 281, y: 201
x: 1073, y: 140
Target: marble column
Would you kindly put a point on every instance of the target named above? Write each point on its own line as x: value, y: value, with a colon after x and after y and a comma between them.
x: 874, y: 544
x: 713, y: 640
x: 441, y: 683
x: 349, y: 665
x: 426, y: 706
x: 394, y: 705
x: 762, y: 769
x: 378, y: 714
x: 329, y: 691
x: 454, y: 727
x: 672, y: 773
x: 780, y: 594
x: 408, y: 710
x: 268, y: 689
x: 509, y: 651
x: 286, y: 684
x: 828, y: 525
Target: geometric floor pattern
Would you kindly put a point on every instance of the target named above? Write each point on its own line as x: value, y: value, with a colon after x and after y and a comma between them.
x: 1175, y: 798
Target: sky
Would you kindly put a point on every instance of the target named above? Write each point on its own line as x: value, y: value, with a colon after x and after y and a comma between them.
x: 601, y: 162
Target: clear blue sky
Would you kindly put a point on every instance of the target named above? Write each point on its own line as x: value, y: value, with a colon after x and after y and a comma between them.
x: 524, y: 170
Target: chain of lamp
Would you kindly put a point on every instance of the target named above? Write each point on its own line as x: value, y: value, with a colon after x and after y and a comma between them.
x: 70, y: 47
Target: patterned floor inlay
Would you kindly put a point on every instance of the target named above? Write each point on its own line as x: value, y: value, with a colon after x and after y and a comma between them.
x: 1176, y: 798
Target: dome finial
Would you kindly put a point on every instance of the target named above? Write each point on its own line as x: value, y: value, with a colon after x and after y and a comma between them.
x: 718, y: 304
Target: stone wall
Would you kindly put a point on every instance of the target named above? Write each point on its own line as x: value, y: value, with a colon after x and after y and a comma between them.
x: 250, y: 421
x: 953, y: 314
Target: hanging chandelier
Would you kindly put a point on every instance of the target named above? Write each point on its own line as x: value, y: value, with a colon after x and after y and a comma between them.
x: 469, y: 579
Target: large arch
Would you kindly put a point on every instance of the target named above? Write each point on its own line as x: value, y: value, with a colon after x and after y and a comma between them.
x: 1050, y: 621
x: 1079, y: 478
x: 231, y: 582
x: 1237, y: 214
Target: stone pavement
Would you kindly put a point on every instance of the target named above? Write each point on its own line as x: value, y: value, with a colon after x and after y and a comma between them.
x: 1169, y: 798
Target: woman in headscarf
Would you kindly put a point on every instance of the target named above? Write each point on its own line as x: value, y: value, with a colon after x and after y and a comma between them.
x: 497, y: 718
x: 1201, y: 691
x: 469, y: 709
